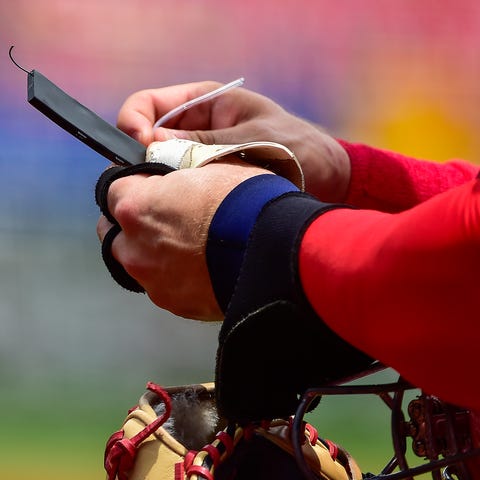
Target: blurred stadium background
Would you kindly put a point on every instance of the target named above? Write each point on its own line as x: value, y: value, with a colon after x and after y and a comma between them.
x: 76, y: 350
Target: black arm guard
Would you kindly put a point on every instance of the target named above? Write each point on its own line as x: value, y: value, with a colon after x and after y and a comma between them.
x: 272, y: 345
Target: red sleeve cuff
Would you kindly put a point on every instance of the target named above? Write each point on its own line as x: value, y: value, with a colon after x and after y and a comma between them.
x: 391, y: 182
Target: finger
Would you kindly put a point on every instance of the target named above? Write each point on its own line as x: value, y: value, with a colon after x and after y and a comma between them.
x: 129, y: 198
x: 141, y: 110
x: 103, y: 226
x: 236, y: 117
x: 112, y: 262
x: 125, y: 187
x: 238, y: 133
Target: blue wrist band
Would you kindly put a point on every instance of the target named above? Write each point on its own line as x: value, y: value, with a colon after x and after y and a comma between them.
x: 231, y: 226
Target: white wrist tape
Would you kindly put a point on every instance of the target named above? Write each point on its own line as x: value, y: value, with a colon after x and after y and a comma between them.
x: 179, y: 153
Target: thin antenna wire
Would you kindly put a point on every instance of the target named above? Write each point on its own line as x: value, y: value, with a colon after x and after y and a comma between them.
x: 15, y: 63
x: 196, y: 101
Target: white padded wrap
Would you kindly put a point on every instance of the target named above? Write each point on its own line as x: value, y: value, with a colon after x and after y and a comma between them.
x: 178, y: 153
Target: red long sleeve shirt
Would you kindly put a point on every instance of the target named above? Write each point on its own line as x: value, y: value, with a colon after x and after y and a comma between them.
x: 398, y: 277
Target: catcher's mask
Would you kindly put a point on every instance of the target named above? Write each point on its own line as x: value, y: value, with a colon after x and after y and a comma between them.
x: 446, y: 436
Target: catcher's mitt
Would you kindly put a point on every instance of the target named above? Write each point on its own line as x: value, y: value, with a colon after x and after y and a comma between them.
x: 176, y: 434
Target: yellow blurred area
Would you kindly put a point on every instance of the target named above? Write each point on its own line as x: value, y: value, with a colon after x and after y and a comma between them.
x: 428, y: 131
x: 421, y: 102
x: 60, y: 471
x: 38, y: 461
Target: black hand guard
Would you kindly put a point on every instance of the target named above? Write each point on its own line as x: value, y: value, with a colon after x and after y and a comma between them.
x: 119, y: 274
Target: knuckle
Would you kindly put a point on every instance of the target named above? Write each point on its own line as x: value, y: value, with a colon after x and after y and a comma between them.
x: 204, y: 136
x: 126, y: 212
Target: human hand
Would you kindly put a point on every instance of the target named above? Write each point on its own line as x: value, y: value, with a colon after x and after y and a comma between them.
x: 236, y: 117
x: 165, y: 222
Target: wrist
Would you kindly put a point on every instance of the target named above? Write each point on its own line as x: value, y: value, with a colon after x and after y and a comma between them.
x: 231, y: 226
x: 327, y: 170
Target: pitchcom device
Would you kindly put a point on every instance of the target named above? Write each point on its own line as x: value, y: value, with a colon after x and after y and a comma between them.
x: 81, y: 122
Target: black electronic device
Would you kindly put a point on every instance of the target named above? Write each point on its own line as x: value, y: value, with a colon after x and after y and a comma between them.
x: 81, y: 122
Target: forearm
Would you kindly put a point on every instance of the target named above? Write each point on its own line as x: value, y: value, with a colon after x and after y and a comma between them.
x: 391, y: 182
x: 404, y: 287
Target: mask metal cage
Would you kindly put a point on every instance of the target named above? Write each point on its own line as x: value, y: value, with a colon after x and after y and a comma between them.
x: 440, y: 432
